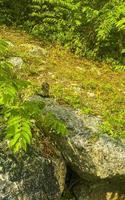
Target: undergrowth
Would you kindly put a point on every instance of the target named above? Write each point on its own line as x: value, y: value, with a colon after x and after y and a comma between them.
x: 17, y: 111
x: 89, y: 28
x: 92, y: 88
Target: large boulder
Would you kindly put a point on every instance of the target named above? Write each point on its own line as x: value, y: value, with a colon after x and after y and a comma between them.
x: 37, y: 176
x: 92, y: 155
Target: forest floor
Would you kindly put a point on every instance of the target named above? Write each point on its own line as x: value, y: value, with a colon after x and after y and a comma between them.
x: 93, y: 88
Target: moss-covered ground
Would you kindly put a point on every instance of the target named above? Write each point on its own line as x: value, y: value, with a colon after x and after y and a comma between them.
x: 88, y: 86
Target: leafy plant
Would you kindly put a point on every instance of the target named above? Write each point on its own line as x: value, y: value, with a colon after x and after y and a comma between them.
x: 14, y: 12
x: 53, y: 125
x: 89, y: 28
x: 3, y: 46
x: 118, y: 67
x: 19, y: 113
x: 15, y: 110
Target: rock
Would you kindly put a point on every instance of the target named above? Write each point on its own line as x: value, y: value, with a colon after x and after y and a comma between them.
x: 92, y: 155
x: 17, y: 62
x: 35, y: 177
x: 100, y: 191
x: 38, y: 51
x: 90, y: 94
x: 34, y: 50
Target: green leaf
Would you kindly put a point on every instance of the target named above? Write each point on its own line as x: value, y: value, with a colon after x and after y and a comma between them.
x: 15, y: 140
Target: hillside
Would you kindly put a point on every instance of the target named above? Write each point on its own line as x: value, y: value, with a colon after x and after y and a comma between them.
x: 90, y: 87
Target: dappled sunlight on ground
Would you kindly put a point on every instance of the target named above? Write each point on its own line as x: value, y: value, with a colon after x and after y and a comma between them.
x: 92, y: 87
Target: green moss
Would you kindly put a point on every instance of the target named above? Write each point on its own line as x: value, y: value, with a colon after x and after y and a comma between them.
x: 93, y: 88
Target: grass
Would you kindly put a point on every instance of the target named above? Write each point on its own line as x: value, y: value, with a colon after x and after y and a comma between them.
x: 91, y: 87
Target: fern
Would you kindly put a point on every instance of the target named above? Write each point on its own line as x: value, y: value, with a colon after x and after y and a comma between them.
x: 19, y: 114
x: 119, y: 67
x: 19, y: 133
x: 89, y: 28
x: 3, y: 46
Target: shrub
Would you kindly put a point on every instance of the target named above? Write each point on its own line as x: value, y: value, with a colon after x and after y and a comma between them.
x: 89, y: 28
x: 19, y: 114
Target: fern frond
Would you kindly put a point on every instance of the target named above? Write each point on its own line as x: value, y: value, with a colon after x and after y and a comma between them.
x: 3, y: 46
x: 19, y: 133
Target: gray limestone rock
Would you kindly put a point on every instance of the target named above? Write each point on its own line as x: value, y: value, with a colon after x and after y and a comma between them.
x: 99, y: 191
x: 35, y: 177
x: 92, y: 155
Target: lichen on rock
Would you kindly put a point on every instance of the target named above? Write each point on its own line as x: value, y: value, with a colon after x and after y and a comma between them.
x: 34, y: 177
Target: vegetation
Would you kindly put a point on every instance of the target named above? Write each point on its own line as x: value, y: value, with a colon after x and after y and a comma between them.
x: 18, y: 113
x: 92, y: 29
x: 15, y: 110
x: 90, y: 87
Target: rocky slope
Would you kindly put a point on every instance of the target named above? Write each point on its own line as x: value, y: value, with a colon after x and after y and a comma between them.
x: 94, y: 88
x: 87, y: 163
